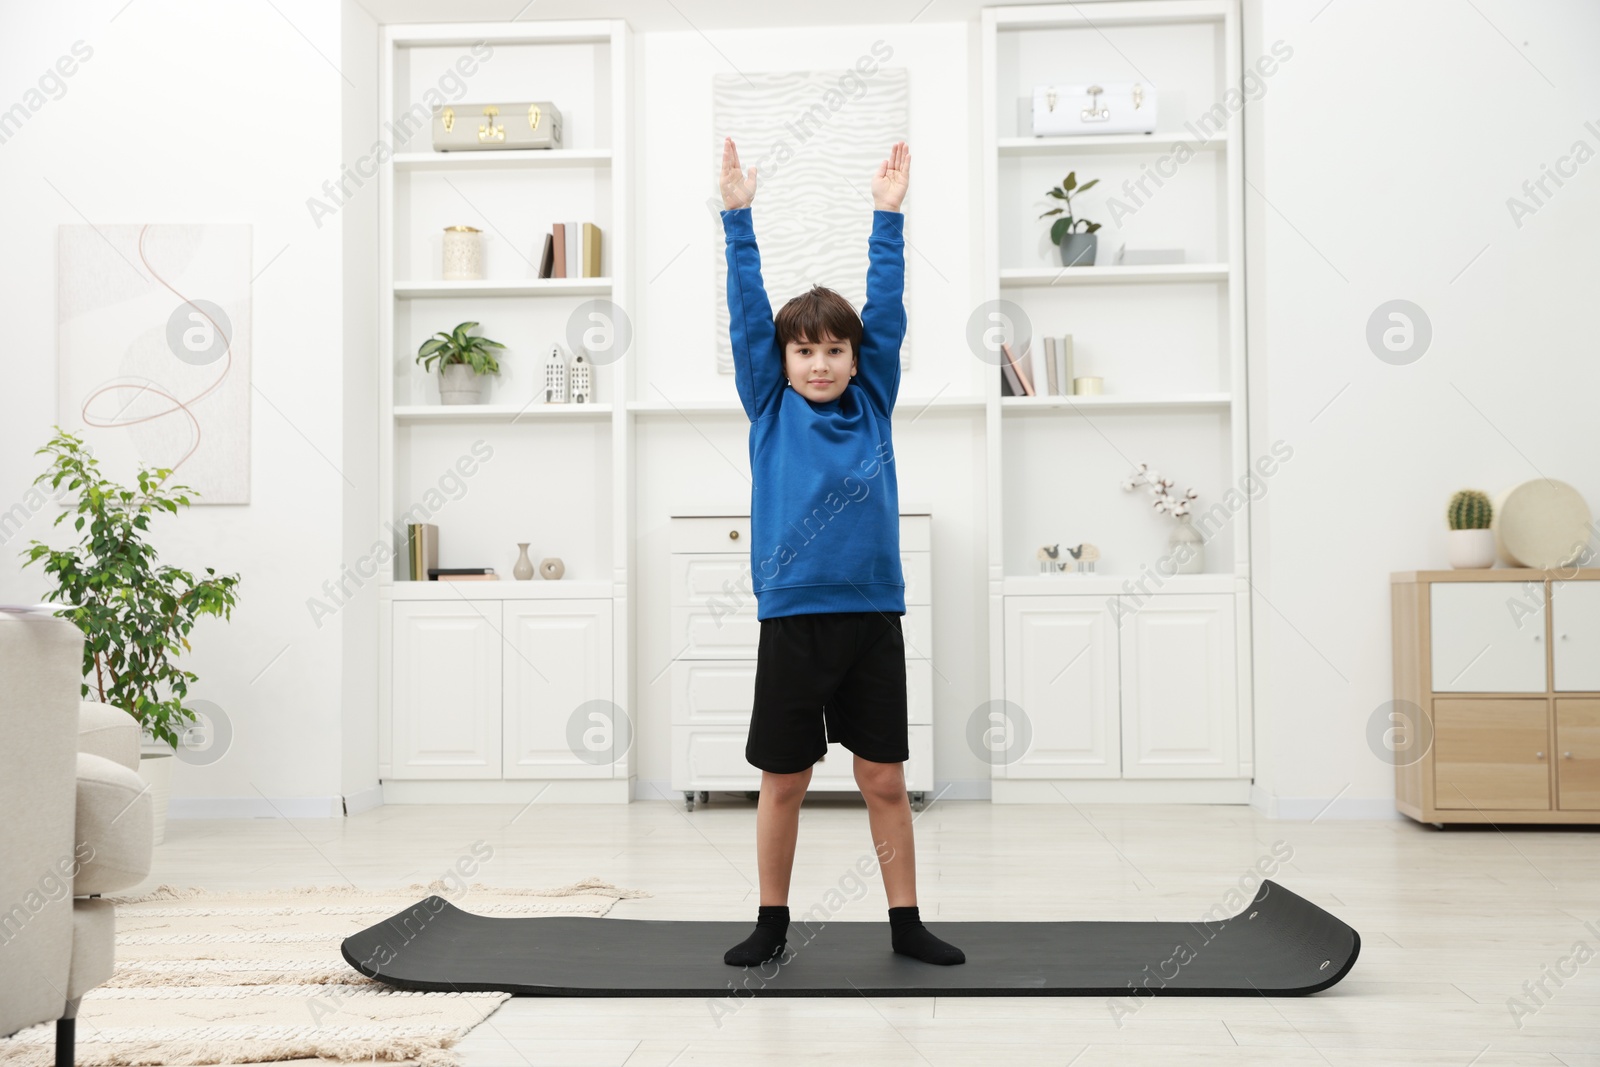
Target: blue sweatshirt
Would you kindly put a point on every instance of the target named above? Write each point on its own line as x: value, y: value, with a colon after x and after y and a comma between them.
x: 824, y: 506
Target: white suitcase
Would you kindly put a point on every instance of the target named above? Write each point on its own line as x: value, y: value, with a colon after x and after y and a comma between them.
x: 1094, y: 108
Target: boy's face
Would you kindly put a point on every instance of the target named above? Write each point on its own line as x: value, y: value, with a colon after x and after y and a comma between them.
x: 819, y: 371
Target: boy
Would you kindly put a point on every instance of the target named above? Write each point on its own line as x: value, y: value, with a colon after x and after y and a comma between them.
x: 825, y: 552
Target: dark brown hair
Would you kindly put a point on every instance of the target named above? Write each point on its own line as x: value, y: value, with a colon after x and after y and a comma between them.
x: 818, y: 314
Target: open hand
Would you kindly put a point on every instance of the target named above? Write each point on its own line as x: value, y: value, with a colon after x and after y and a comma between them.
x: 738, y: 189
x: 894, y: 174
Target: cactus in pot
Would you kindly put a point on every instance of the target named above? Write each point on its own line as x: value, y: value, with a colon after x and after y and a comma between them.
x: 1470, y: 542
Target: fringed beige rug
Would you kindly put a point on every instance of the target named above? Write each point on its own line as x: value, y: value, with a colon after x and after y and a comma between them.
x: 252, y: 977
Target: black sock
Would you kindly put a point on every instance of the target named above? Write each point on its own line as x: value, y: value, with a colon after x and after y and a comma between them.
x: 769, y: 939
x: 911, y: 938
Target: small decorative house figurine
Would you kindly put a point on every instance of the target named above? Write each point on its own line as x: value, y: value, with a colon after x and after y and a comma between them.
x: 579, y: 377
x: 1050, y: 561
x: 555, y: 376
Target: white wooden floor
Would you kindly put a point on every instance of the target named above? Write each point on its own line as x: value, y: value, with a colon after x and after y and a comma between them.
x: 1452, y: 924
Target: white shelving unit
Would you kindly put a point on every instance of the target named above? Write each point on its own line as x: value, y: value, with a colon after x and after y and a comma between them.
x: 489, y: 724
x: 1135, y: 685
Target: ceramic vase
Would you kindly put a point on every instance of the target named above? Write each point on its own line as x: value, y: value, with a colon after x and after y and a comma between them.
x: 1187, y: 548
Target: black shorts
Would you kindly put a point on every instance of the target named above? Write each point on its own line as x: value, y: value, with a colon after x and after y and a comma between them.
x: 830, y: 676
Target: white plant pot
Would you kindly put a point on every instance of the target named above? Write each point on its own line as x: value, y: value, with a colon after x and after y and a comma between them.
x: 460, y: 384
x: 155, y: 768
x: 1470, y: 549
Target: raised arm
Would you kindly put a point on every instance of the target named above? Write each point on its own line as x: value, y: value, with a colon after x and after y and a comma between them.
x: 757, y: 364
x: 883, y: 316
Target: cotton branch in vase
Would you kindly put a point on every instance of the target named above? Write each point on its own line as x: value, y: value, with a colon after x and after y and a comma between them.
x: 1163, y: 499
x: 1186, y: 547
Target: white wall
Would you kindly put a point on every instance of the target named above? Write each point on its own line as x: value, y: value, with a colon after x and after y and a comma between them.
x: 190, y: 112
x: 1381, y: 158
x: 358, y: 779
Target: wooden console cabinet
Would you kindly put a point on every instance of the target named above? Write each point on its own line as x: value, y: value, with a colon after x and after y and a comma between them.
x: 1497, y: 695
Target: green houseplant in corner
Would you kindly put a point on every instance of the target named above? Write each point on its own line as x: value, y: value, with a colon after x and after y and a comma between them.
x: 135, y: 613
x: 1078, y: 248
x: 462, y: 359
x: 1470, y: 542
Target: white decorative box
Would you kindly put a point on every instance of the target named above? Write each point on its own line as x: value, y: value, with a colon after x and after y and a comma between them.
x: 1094, y: 108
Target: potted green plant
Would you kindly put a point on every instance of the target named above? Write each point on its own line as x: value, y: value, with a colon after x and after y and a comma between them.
x: 1470, y: 542
x: 1077, y: 247
x: 135, y: 613
x: 463, y: 358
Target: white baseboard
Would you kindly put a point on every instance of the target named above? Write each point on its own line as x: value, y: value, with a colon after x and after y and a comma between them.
x: 1121, y: 791
x: 363, y: 800
x: 958, y: 789
x: 255, y: 808
x: 1305, y: 809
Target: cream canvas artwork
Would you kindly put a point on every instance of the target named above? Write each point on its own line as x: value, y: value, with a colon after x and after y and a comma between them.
x: 815, y: 138
x: 154, y: 351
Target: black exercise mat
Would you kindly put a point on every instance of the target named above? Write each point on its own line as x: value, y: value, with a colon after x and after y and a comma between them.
x: 1280, y: 945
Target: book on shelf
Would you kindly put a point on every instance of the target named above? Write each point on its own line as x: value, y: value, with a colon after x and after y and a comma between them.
x: 591, y: 250
x: 1025, y: 368
x: 571, y: 250
x: 1010, y: 384
x: 547, y: 258
x: 1013, y: 367
x: 462, y: 574
x: 1050, y: 367
x: 422, y: 549
x: 1064, y: 363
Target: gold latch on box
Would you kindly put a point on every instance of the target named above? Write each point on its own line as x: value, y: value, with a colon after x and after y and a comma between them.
x: 491, y: 132
x: 449, y: 119
x: 533, y: 116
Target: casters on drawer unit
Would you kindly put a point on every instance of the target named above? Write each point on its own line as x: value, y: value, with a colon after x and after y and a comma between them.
x: 688, y: 798
x: 917, y: 798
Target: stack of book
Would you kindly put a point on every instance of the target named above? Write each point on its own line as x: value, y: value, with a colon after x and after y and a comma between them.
x: 1019, y: 377
x: 422, y: 559
x: 463, y: 574
x: 571, y: 251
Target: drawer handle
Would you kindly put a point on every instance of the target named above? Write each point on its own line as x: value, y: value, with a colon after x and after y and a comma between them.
x: 1538, y: 637
x: 733, y: 535
x: 1566, y: 755
x: 1539, y: 755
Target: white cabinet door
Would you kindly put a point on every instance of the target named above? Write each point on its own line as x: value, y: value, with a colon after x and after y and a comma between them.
x: 446, y: 689
x: 560, y: 721
x: 1061, y: 675
x: 1575, y: 626
x: 1179, y: 713
x: 1488, y: 637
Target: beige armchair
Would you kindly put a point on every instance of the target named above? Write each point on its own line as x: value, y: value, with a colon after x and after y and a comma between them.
x: 77, y: 823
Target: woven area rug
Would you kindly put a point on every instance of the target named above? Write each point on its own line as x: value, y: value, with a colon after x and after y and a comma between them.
x: 252, y: 977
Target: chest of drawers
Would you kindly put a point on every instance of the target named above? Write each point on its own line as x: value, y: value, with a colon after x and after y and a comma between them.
x: 714, y: 635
